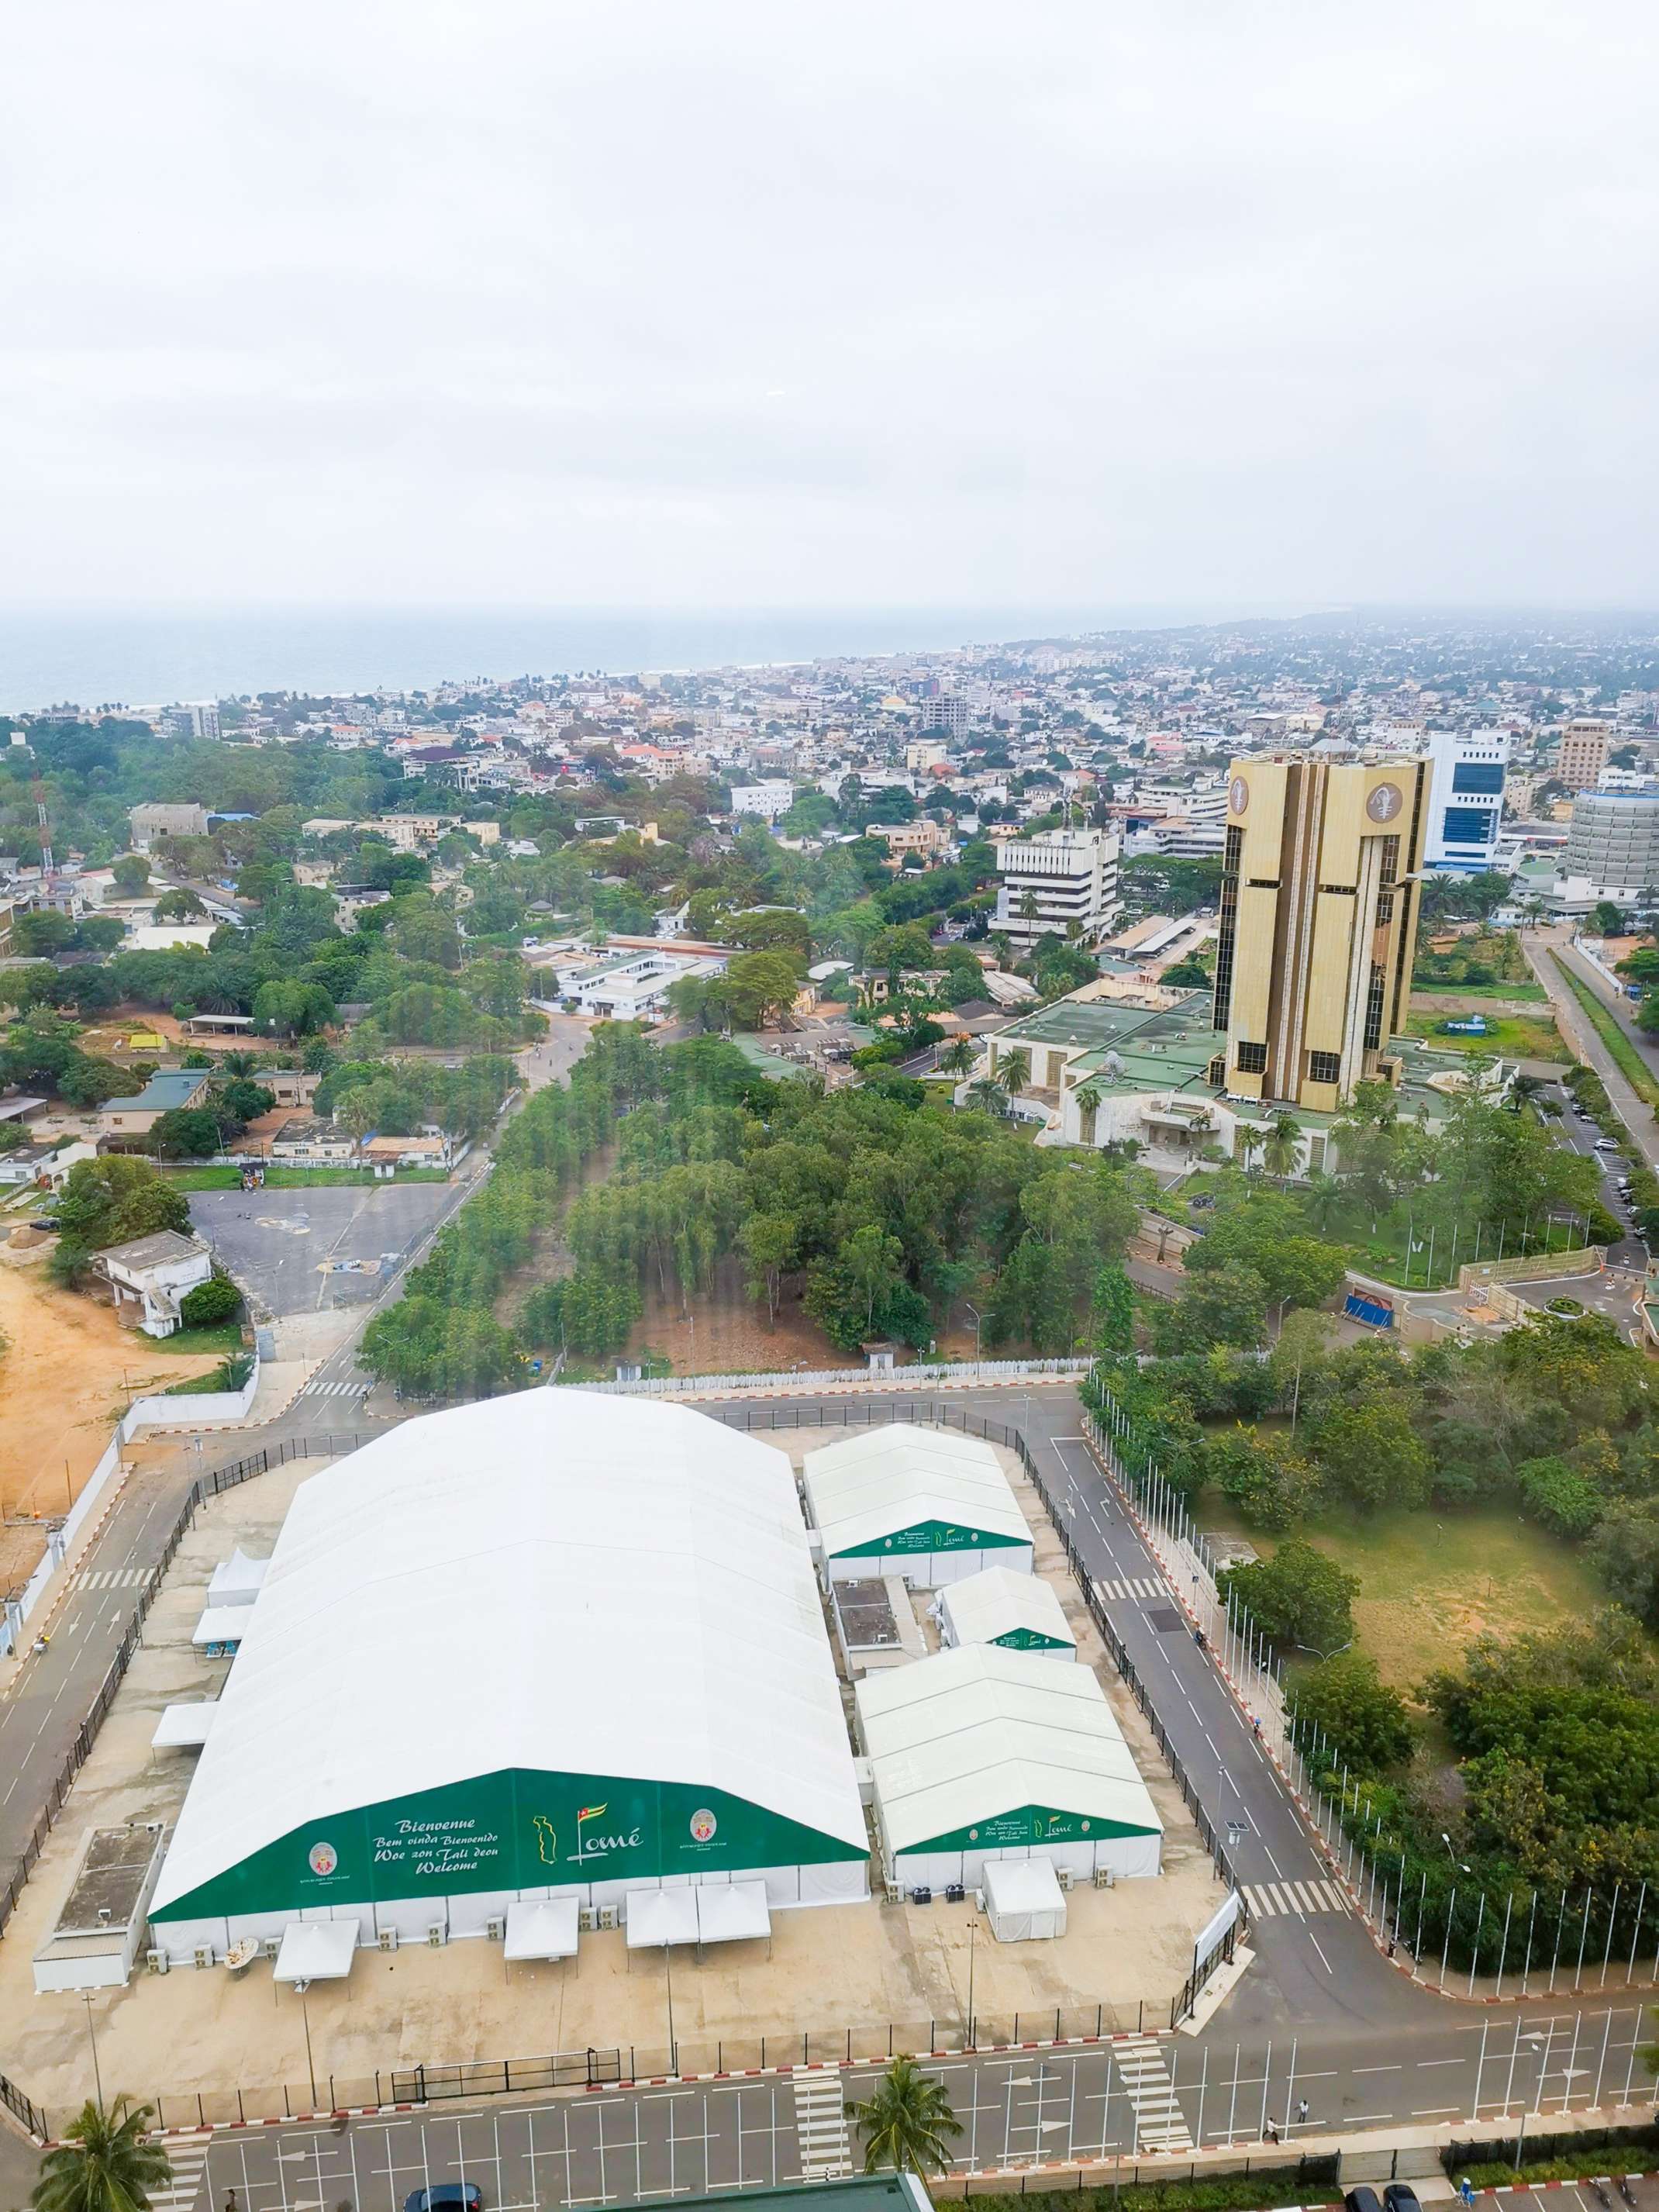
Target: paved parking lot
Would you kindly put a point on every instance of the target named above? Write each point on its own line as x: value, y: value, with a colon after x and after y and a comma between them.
x: 304, y: 1251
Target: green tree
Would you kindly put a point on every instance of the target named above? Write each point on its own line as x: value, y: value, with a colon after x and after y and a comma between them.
x: 216, y: 1300
x: 1558, y: 1495
x: 958, y: 1057
x: 1370, y: 1453
x: 131, y: 874
x: 184, y: 1133
x: 111, y: 1201
x: 770, y: 1243
x: 104, y: 2163
x: 1013, y: 1067
x: 1112, y: 1311
x: 906, y: 2121
x: 1282, y: 1147
x: 1227, y: 1305
x: 1367, y: 1724
x: 1088, y: 1096
x: 1299, y: 1598
x: 291, y: 1009
x: 179, y: 904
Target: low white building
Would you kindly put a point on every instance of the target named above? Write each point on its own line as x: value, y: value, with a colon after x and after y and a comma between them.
x: 635, y: 987
x: 1062, y: 883
x: 151, y: 1276
x: 982, y: 1754
x: 767, y: 801
x: 1019, y: 1613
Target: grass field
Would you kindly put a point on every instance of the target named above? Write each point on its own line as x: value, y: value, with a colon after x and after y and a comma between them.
x: 1431, y: 1582
x: 212, y: 1178
x: 223, y: 1336
x: 1514, y: 1036
x: 1526, y: 993
x: 1606, y: 1026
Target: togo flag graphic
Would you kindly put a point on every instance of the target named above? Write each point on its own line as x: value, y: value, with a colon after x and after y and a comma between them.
x: 590, y: 1813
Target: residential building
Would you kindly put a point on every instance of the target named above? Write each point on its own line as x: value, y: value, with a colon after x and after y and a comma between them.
x: 170, y: 1090
x: 768, y: 801
x: 1466, y: 799
x: 924, y: 836
x: 1611, y: 851
x: 1313, y: 972
x: 945, y: 712
x: 150, y: 1277
x: 153, y: 819
x: 1582, y: 754
x: 923, y: 754
x: 194, y: 717
x: 306, y: 1140
x: 1062, y: 883
x: 384, y: 1154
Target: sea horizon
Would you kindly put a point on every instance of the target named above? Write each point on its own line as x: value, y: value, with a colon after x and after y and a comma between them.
x: 145, y: 657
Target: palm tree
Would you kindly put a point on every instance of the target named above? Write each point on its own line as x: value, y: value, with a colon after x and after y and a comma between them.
x: 1282, y: 1146
x: 989, y: 1095
x: 1326, y: 1201
x: 1088, y: 1096
x: 1248, y: 1141
x: 237, y: 1064
x: 1015, y: 1070
x: 103, y: 2163
x: 1532, y: 1090
x: 958, y: 1057
x: 906, y: 2121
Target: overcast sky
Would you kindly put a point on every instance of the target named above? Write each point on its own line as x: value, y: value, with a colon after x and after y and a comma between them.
x: 712, y: 304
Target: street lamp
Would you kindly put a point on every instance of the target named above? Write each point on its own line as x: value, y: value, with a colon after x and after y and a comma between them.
x: 973, y: 1931
x: 1451, y: 1854
x: 974, y: 1309
x: 97, y: 2079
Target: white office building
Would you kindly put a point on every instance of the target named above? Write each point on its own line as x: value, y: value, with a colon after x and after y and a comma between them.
x: 1466, y: 799
x: 769, y: 801
x: 1062, y: 883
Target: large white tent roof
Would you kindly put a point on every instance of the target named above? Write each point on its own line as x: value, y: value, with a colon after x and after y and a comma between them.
x: 873, y: 1485
x: 999, y: 1602
x: 967, y: 1736
x: 556, y: 1580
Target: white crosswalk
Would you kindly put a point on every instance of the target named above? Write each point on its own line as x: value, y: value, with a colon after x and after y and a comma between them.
x: 95, y: 1578
x: 189, y: 2178
x: 821, y: 2124
x: 1158, y: 2121
x: 353, y: 1387
x: 1131, y: 1586
x: 1276, y: 1900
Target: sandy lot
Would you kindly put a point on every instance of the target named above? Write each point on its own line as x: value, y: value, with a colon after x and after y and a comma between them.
x: 64, y: 1381
x: 866, y: 1972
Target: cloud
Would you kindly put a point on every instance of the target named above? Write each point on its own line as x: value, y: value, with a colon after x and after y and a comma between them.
x: 827, y: 304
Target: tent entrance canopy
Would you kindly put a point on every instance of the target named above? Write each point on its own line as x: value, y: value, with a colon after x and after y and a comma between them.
x: 316, y: 1951
x: 1024, y: 1900
x: 732, y: 1911
x: 541, y: 1928
x: 657, y: 1917
x: 183, y: 1725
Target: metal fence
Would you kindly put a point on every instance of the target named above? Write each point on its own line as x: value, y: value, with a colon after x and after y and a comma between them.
x: 1544, y: 2146
x: 23, y: 2109
x: 947, y: 1371
x: 206, y: 1486
x: 1308, y: 2171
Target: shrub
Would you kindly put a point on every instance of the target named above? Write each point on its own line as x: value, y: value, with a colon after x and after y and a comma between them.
x: 216, y: 1300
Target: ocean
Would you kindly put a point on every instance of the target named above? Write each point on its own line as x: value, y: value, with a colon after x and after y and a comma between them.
x: 141, y: 659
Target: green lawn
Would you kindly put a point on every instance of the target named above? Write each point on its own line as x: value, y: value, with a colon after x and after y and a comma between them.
x: 1513, y: 1037
x: 1606, y: 1026
x: 1523, y: 993
x: 211, y: 1178
x: 1432, y: 1582
x: 224, y: 1336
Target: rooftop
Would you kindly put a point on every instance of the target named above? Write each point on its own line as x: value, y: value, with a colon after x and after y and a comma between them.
x: 169, y: 1087
x: 158, y: 1250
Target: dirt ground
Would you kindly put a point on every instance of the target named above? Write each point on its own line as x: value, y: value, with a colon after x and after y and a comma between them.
x: 870, y: 1969
x: 65, y: 1379
x: 727, y: 1333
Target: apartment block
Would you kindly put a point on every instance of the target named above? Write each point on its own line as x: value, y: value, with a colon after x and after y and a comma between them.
x: 1062, y: 883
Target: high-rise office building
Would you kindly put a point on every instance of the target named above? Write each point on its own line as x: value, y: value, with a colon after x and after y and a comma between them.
x: 1062, y: 883
x: 1313, y: 971
x: 1467, y: 768
x: 1582, y: 754
x: 1613, y: 851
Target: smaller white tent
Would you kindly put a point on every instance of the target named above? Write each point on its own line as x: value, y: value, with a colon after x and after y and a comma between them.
x: 930, y: 1504
x: 316, y: 1951
x: 1022, y: 1612
x: 543, y: 1928
x: 237, y: 1580
x: 982, y: 1754
x: 1024, y: 1900
x: 186, y: 1726
x: 659, y: 1917
x: 223, y: 1624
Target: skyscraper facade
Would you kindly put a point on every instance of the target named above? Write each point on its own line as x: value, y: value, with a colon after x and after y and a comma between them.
x: 1318, y: 914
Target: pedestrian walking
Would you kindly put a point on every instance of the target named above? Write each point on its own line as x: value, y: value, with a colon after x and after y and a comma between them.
x: 1302, y: 2112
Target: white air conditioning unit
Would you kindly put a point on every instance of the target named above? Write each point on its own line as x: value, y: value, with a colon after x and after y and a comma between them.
x: 495, y: 1930
x: 204, y: 1955
x: 388, y: 1939
x: 585, y: 1916
x: 896, y: 1893
x: 1104, y: 1878
x: 607, y: 1915
x: 437, y: 1934
x: 269, y: 1947
x: 1063, y: 1876
x: 157, y: 1962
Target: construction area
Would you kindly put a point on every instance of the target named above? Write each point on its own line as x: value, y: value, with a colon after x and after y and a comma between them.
x: 771, y: 1918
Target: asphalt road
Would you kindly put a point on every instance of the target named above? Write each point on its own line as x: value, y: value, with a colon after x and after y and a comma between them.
x: 299, y: 1251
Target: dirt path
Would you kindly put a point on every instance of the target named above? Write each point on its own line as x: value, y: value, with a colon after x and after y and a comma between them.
x: 66, y: 1376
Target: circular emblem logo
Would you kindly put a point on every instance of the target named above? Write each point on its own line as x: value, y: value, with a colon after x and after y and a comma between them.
x: 1239, y: 794
x: 323, y: 1859
x: 1385, y: 802
x: 972, y: 1835
x: 703, y: 1825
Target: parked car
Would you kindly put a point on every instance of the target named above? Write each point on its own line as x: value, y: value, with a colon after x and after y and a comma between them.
x: 1400, y: 2197
x: 1605, y: 1144
x: 1363, y: 2200
x: 446, y: 2196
